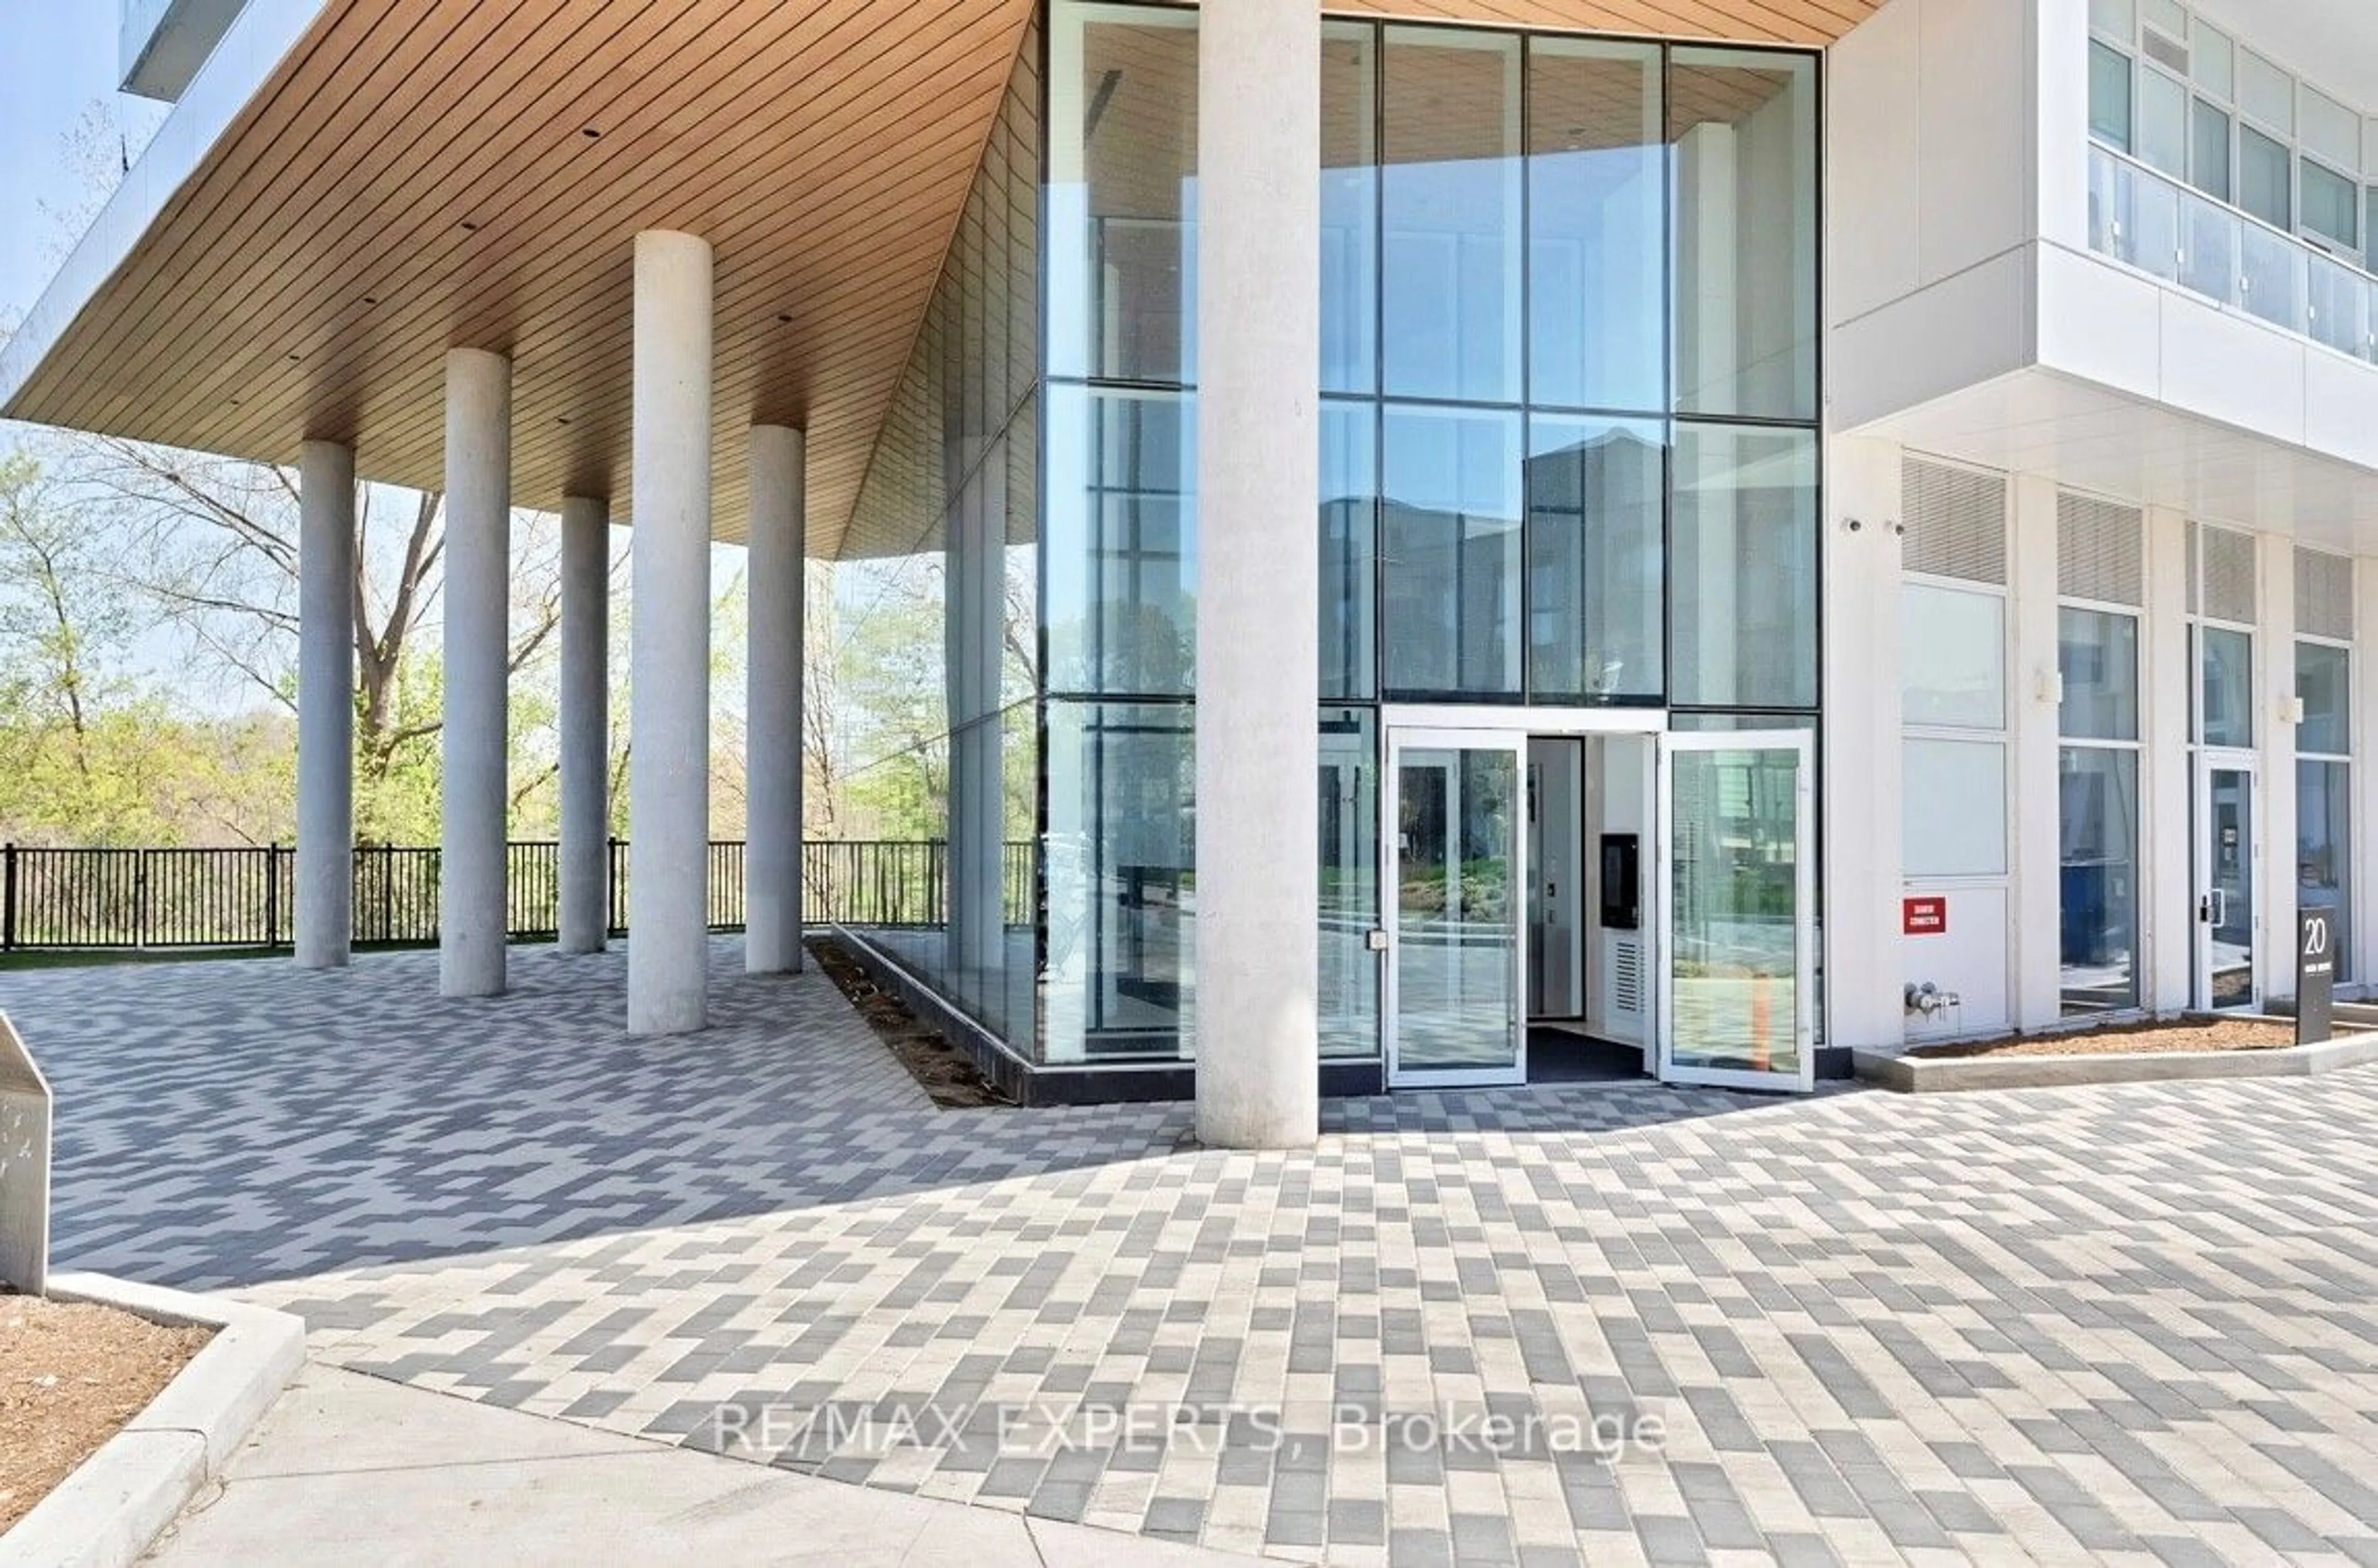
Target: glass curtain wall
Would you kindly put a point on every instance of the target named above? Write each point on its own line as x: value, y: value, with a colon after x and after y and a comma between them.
x: 1120, y: 567
x: 1569, y: 441
x: 927, y: 645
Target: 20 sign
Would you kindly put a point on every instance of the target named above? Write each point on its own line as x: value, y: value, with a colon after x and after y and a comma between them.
x: 2315, y: 975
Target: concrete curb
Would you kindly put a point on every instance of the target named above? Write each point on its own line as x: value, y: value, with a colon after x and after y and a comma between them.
x: 1935, y: 1075
x: 111, y: 1511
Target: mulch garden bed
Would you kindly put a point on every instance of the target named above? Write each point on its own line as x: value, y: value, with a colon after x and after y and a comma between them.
x: 2186, y: 1034
x: 71, y: 1374
x: 945, y: 1073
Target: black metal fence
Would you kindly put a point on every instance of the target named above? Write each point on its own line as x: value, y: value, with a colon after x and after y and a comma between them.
x: 60, y: 900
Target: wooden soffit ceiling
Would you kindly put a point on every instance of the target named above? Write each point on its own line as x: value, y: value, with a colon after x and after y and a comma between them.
x: 414, y: 178
x: 452, y: 173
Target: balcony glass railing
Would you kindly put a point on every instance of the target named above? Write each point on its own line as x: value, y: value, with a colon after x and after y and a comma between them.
x: 2157, y: 224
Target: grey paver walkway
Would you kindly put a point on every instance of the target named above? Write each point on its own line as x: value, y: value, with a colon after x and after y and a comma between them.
x: 2134, y: 1323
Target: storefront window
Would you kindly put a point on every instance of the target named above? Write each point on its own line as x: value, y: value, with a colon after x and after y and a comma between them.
x: 2324, y: 789
x: 2098, y: 810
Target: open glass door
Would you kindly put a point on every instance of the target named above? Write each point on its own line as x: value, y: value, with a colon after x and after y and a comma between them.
x: 2227, y: 855
x: 1737, y: 849
x: 1457, y: 931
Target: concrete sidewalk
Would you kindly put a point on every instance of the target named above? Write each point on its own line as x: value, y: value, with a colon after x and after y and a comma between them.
x: 350, y: 1470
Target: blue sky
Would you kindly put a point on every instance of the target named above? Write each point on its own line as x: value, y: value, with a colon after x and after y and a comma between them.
x: 56, y: 59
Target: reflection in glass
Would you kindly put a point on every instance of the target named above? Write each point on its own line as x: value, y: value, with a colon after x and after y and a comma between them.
x: 1349, y: 208
x: 1734, y: 910
x: 2324, y: 679
x: 2109, y: 96
x: 1450, y: 533
x: 2324, y: 849
x: 2097, y: 806
x: 2264, y: 178
x: 1457, y: 919
x: 1349, y: 882
x: 1118, y: 861
x: 1742, y: 574
x: 2332, y: 204
x: 1452, y: 204
x: 1952, y: 657
x: 1121, y: 608
x: 1597, y: 192
x: 1744, y: 125
x: 2225, y: 713
x: 1596, y: 557
x: 2098, y: 655
x: 2210, y: 162
x: 1349, y: 548
x: 1122, y: 151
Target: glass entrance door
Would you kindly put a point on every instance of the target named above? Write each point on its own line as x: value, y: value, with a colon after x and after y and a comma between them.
x: 1738, y: 878
x: 2227, y: 852
x: 1456, y: 935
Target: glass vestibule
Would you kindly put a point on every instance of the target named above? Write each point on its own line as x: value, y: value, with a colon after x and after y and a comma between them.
x: 1726, y: 896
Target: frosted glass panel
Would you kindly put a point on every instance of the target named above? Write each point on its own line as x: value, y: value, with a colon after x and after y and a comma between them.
x: 2266, y: 92
x: 1953, y: 653
x: 2162, y: 123
x: 2214, y: 61
x: 1954, y: 821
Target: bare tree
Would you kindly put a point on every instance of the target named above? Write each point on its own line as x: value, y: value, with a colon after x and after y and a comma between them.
x: 214, y: 543
x: 52, y: 613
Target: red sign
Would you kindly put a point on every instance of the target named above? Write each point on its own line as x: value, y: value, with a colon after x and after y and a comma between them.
x: 1924, y: 916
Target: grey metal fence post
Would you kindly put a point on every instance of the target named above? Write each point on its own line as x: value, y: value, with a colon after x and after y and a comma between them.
x: 9, y: 903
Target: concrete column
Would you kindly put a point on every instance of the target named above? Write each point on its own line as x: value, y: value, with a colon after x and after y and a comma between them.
x: 2034, y: 729
x: 586, y: 724
x: 668, y: 778
x: 326, y: 703
x: 1258, y: 639
x: 1865, y: 878
x: 772, y: 853
x: 2167, y: 685
x: 472, y: 917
